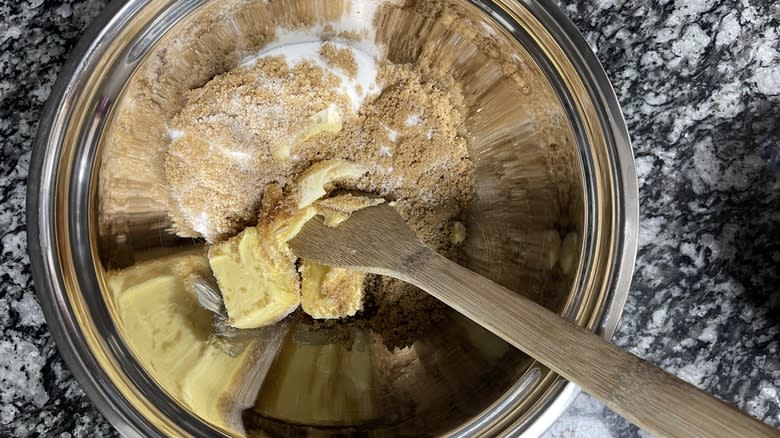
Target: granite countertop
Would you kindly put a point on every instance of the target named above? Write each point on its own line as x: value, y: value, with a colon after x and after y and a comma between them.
x: 699, y: 83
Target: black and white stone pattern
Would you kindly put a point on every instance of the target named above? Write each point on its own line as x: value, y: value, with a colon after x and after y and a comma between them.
x: 699, y: 83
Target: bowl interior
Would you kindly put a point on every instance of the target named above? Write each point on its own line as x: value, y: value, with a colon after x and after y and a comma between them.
x: 525, y: 229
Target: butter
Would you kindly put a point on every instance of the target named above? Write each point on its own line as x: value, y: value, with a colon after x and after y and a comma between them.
x: 256, y: 272
x: 337, y: 209
x: 327, y: 120
x: 458, y: 233
x: 312, y: 183
x: 328, y: 293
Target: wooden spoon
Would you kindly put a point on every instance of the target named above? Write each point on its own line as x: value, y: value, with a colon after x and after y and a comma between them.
x: 377, y: 240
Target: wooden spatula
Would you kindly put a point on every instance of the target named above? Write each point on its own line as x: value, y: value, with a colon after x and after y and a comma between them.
x: 377, y: 240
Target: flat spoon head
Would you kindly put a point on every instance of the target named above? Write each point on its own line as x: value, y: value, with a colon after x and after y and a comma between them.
x: 374, y: 239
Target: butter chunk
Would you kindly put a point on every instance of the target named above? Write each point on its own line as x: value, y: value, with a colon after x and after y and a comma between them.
x: 337, y: 209
x: 327, y: 120
x: 458, y: 233
x: 328, y: 293
x: 256, y: 272
x: 257, y: 278
x: 312, y: 183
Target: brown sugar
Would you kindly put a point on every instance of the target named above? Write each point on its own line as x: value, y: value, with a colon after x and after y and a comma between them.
x: 220, y: 156
x: 410, y: 136
x: 341, y: 58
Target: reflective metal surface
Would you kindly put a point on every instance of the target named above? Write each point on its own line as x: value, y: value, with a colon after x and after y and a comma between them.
x: 552, y: 156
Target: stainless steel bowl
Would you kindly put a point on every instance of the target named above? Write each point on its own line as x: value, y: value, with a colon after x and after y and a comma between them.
x: 553, y: 164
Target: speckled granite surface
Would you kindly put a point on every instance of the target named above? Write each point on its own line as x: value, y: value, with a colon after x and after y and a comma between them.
x: 699, y: 82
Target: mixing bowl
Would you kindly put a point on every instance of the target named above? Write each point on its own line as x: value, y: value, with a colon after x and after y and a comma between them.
x: 555, y: 219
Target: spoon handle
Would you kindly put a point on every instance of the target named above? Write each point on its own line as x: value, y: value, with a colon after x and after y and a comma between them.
x: 636, y: 389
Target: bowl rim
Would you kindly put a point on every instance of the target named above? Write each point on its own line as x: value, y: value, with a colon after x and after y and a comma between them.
x: 45, y: 263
